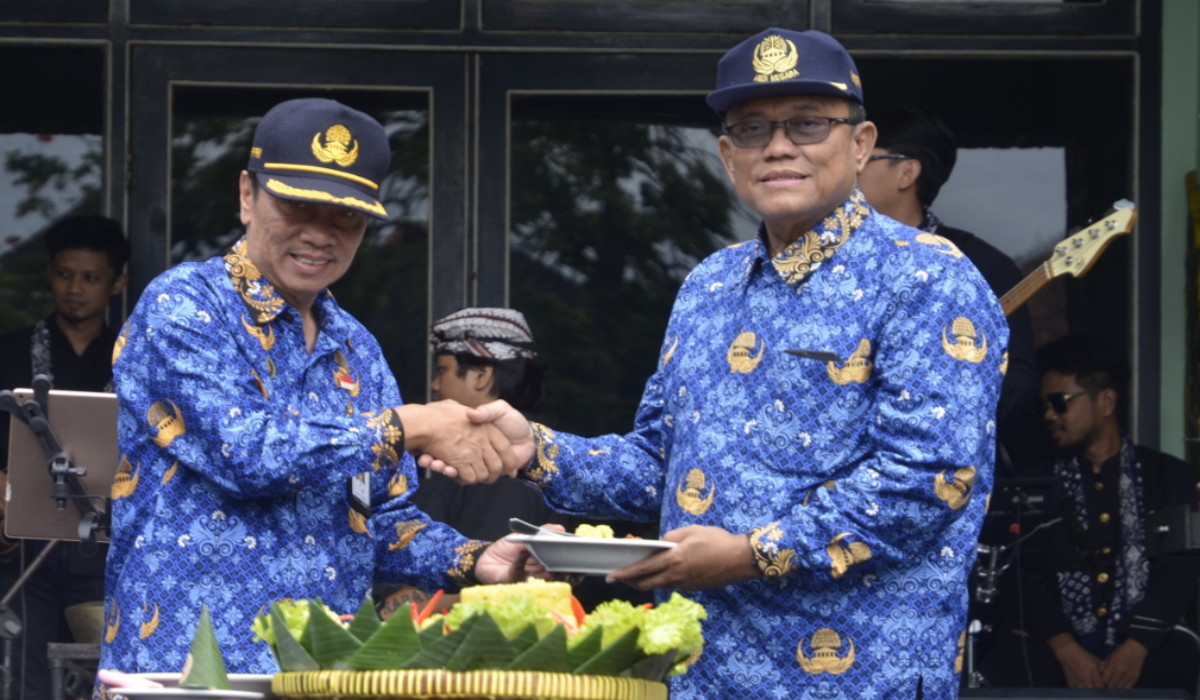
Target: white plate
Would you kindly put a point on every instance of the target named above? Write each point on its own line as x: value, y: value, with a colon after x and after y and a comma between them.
x: 177, y: 693
x: 588, y: 555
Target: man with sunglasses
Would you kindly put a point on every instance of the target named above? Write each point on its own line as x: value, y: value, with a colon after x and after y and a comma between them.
x: 819, y: 434
x: 1099, y: 613
x: 913, y: 157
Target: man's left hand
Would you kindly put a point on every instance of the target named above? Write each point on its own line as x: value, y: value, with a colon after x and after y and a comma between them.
x: 505, y: 561
x: 1124, y: 665
x: 703, y: 558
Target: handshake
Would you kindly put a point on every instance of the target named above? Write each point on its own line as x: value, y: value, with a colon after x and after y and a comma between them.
x: 471, y: 445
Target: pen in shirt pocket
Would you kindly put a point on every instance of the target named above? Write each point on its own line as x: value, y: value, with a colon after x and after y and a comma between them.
x: 820, y: 355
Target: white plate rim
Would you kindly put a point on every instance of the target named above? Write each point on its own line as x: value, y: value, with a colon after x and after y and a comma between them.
x: 604, y: 541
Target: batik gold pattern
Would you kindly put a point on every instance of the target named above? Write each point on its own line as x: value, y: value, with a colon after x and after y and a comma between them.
x: 857, y: 369
x: 696, y: 496
x: 962, y: 648
x: 825, y: 645
x: 828, y: 486
x: 120, y: 343
x: 670, y: 352
x: 463, y: 568
x: 940, y: 243
x: 843, y: 554
x: 397, y: 485
x: 150, y: 626
x: 256, y: 292
x: 125, y: 481
x: 546, y: 452
x: 358, y: 522
x: 1004, y: 364
x: 772, y: 560
x: 964, y: 343
x: 955, y: 491
x: 258, y: 384
x: 741, y: 354
x: 170, y: 473
x: 390, y: 442
x: 797, y: 261
x: 167, y: 424
x: 405, y: 532
x: 112, y: 622
x: 265, y: 338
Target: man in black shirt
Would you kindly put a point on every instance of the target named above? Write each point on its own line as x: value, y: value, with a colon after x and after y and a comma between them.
x: 1099, y: 612
x: 74, y: 346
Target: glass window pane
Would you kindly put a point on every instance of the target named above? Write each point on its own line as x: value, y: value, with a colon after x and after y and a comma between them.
x: 51, y: 164
x: 609, y: 214
x: 387, y: 287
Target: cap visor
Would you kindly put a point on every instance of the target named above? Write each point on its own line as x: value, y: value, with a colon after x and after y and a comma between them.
x: 321, y: 191
x: 722, y: 100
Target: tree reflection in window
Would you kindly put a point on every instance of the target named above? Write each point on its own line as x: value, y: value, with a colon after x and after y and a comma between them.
x: 608, y: 218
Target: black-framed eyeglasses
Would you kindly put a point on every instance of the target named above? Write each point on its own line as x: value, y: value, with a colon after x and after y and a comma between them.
x: 757, y: 133
x: 1058, y: 401
x: 888, y: 156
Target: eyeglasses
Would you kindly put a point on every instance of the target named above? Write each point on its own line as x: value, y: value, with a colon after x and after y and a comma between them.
x: 888, y: 156
x: 757, y: 133
x: 1058, y: 401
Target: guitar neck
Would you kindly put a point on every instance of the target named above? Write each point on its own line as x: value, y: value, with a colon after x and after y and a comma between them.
x: 1016, y: 297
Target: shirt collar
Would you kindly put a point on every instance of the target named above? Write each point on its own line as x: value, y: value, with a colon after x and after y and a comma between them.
x: 803, y: 256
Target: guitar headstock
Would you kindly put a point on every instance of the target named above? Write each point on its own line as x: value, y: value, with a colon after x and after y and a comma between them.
x: 1075, y: 254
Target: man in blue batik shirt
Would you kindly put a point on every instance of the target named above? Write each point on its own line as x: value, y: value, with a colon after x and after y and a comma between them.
x: 818, y: 438
x: 264, y: 446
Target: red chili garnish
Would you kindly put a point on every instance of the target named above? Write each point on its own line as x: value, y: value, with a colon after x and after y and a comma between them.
x: 429, y: 607
x: 345, y: 618
x: 577, y: 608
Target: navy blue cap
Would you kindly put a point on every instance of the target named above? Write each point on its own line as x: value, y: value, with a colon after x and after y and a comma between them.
x: 319, y: 150
x: 778, y: 62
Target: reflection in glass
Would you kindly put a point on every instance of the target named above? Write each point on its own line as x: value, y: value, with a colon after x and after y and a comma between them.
x: 44, y: 177
x: 385, y: 289
x: 608, y: 217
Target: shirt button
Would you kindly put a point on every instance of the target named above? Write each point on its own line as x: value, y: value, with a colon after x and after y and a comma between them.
x: 1105, y: 517
x: 1101, y: 611
x: 1102, y: 577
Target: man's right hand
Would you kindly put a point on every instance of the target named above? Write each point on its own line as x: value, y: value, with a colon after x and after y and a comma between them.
x: 467, y: 449
x: 1082, y: 669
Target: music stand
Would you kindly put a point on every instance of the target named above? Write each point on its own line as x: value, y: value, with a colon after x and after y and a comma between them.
x: 87, y: 421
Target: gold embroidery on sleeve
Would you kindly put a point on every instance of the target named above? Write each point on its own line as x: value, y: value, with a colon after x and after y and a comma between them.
x: 772, y: 561
x: 466, y: 552
x: 843, y: 555
x: 546, y: 451
x: 405, y: 532
x: 955, y: 491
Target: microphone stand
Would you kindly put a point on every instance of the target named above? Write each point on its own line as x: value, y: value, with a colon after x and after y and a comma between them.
x: 68, y: 485
x: 986, y: 589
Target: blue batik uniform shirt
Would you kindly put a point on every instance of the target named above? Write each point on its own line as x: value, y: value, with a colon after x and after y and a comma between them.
x: 237, y: 446
x: 859, y: 468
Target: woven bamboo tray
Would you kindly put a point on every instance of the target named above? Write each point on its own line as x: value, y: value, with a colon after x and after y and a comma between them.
x: 462, y: 685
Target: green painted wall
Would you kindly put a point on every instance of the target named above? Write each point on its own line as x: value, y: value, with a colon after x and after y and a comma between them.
x: 1180, y: 155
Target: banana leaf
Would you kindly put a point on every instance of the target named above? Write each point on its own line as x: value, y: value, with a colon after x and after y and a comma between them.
x: 332, y: 643
x: 653, y: 668
x: 615, y: 657
x: 547, y: 654
x: 290, y: 655
x: 586, y: 647
x: 430, y: 635
x: 524, y: 639
x: 205, y: 667
x: 366, y: 621
x: 437, y: 654
x: 393, y: 644
x: 485, y: 648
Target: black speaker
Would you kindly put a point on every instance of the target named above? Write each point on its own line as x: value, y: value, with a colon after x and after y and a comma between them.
x: 1071, y: 694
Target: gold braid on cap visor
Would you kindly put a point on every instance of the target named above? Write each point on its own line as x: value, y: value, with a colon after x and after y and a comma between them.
x: 322, y: 196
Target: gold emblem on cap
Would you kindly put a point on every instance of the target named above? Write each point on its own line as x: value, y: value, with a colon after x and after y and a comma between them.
x: 775, y: 59
x: 337, y: 146
x: 256, y: 152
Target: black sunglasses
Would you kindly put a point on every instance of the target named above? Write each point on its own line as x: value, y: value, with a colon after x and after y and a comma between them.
x: 1057, y: 401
